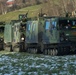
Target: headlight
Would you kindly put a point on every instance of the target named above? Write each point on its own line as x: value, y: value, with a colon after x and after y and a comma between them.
x: 22, y: 38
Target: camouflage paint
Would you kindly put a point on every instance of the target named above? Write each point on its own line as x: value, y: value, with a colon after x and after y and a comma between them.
x: 8, y: 33
x: 11, y: 33
x: 32, y: 32
x: 16, y: 33
x: 51, y: 34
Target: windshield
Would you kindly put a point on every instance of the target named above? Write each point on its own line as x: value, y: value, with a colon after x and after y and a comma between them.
x: 47, y: 25
x: 50, y: 24
x: 67, y: 24
x: 28, y: 27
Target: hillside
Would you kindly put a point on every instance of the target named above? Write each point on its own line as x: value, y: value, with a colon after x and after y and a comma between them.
x: 33, y: 11
x: 51, y: 8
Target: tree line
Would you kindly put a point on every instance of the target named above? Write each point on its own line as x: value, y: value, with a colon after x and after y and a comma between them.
x: 18, y: 4
x: 50, y: 7
x: 60, y: 7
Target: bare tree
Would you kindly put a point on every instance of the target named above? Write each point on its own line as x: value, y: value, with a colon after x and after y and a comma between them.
x: 51, y: 8
x: 3, y: 7
x: 59, y: 7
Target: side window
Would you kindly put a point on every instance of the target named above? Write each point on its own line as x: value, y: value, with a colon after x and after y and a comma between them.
x: 47, y: 25
x: 34, y: 26
x: 73, y: 23
x: 54, y: 23
x: 63, y: 23
x: 29, y: 27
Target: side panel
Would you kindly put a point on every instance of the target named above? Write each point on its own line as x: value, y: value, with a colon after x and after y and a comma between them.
x: 67, y: 27
x: 16, y: 33
x: 41, y: 30
x: 32, y: 32
x: 51, y: 34
x: 7, y: 33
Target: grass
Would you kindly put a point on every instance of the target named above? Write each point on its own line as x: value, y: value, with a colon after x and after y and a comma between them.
x: 33, y: 11
x: 36, y: 64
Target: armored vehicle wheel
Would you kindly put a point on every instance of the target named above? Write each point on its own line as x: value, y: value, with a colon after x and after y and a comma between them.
x: 56, y: 52
x: 32, y: 50
x: 45, y: 51
x: 28, y: 50
x: 52, y: 52
x: 48, y: 51
x: 35, y: 51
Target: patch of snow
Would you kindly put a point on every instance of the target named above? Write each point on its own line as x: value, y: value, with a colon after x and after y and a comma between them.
x: 22, y: 64
x: 21, y: 73
x: 32, y: 73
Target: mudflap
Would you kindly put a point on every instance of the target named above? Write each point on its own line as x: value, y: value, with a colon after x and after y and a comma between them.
x: 15, y: 47
x: 1, y: 46
x: 8, y: 48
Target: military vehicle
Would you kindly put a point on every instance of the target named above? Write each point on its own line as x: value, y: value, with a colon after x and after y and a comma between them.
x: 59, y: 36
x: 51, y: 35
x: 14, y: 34
x: 33, y: 38
x: 11, y: 36
x: 47, y: 35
